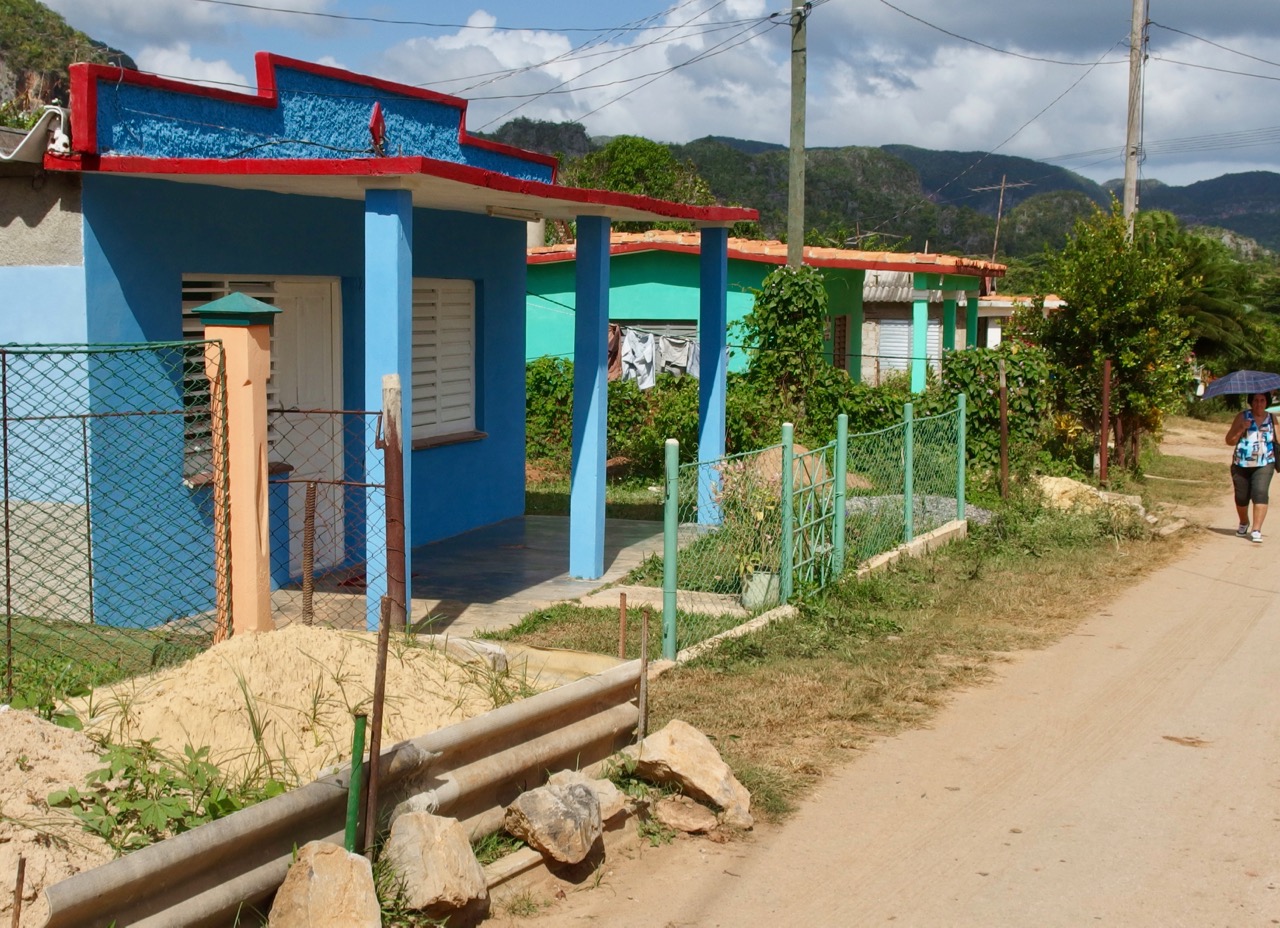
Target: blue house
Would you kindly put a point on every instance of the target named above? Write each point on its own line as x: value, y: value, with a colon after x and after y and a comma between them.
x: 391, y: 240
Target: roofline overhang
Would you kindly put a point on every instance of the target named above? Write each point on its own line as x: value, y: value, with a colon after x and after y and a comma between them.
x: 434, y: 184
x: 867, y: 261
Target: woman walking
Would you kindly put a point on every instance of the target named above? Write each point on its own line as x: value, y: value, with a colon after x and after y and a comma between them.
x: 1253, y: 432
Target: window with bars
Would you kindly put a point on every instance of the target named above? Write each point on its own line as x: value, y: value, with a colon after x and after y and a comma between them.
x: 444, y: 358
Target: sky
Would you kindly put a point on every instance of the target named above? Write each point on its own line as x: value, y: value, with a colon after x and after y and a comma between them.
x: 1044, y: 79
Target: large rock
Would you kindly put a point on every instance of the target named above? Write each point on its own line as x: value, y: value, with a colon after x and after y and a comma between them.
x: 560, y: 822
x: 683, y: 814
x: 433, y: 858
x: 326, y: 887
x: 684, y: 756
x: 1065, y: 493
x: 613, y: 802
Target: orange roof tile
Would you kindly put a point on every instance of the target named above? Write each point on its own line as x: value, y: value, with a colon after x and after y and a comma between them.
x: 774, y: 252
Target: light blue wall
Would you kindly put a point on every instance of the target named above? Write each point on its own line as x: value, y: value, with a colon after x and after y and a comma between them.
x: 141, y: 236
x: 45, y: 305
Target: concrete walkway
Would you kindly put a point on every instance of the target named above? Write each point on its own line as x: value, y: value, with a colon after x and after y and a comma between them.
x: 492, y: 577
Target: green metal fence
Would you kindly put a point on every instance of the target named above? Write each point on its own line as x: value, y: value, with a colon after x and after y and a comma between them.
x: 112, y: 563
x: 749, y: 531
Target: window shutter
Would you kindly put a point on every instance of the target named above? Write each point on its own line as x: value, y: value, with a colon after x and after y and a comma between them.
x: 443, y: 357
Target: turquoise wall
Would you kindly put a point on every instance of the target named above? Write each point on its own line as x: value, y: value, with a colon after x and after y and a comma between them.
x: 657, y: 285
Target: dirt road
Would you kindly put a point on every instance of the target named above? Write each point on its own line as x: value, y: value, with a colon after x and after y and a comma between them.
x: 1127, y: 776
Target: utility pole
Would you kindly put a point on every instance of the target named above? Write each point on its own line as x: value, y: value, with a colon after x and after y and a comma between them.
x: 795, y: 183
x: 995, y: 242
x: 1133, y: 134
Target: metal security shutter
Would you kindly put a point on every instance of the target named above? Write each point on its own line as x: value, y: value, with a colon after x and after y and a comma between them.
x: 895, y: 344
x: 444, y: 380
x: 672, y: 328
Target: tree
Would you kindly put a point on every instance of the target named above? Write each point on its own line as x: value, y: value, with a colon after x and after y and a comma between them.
x: 1122, y: 301
x: 783, y: 333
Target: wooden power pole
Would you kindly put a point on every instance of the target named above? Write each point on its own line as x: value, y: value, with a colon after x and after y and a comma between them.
x: 1133, y: 134
x: 795, y: 183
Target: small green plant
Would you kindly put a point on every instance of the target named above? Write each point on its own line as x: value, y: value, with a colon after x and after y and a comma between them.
x: 524, y: 905
x: 495, y: 846
x: 142, y: 795
x: 393, y: 902
x: 653, y: 831
x: 41, y: 686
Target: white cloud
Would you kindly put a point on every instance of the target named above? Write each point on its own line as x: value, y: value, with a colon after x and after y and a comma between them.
x: 177, y: 61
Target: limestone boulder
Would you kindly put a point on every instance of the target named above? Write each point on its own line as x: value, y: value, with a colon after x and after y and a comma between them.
x: 681, y: 755
x: 683, y: 814
x: 613, y: 802
x: 433, y: 858
x: 560, y: 822
x: 326, y: 887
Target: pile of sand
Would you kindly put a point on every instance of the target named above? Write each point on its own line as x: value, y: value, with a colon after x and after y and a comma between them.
x: 36, y: 758
x: 280, y: 704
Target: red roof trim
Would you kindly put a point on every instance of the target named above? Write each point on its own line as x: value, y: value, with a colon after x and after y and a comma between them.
x: 84, y: 98
x: 397, y: 167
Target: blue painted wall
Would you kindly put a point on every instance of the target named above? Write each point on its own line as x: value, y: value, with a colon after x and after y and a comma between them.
x: 141, y: 236
x: 317, y: 117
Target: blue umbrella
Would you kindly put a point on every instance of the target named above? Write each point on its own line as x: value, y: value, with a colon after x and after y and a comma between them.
x: 1243, y: 382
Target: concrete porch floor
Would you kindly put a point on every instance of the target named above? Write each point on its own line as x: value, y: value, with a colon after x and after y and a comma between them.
x: 492, y: 577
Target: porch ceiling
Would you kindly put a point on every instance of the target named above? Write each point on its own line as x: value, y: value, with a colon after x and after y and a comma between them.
x: 434, y: 184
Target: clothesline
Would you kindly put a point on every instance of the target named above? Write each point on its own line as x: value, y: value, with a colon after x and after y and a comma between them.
x: 641, y: 355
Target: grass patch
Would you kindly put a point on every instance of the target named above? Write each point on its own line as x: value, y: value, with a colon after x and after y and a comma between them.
x: 495, y: 846
x: 624, y: 498
x: 1184, y: 481
x: 595, y: 629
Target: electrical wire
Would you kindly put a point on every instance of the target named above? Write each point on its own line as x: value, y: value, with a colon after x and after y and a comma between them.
x: 341, y: 17
x: 993, y: 48
x: 1225, y: 48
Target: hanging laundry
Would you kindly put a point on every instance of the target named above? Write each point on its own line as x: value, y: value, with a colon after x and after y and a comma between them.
x: 672, y: 355
x: 694, y: 368
x: 637, y: 357
x: 615, y: 351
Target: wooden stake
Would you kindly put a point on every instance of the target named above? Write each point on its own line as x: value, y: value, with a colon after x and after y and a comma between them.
x: 17, y: 890
x: 643, y: 728
x: 622, y: 626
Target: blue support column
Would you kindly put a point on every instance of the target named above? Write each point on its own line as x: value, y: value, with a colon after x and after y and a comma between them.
x: 388, y: 349
x: 919, y: 332
x: 590, y: 400
x: 971, y: 320
x: 713, y: 320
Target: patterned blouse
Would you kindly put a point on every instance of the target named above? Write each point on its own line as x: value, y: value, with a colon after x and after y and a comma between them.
x: 1257, y: 446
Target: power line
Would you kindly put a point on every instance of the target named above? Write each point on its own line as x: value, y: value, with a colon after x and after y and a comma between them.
x: 1205, y: 67
x: 1225, y: 48
x: 264, y: 8
x: 993, y: 48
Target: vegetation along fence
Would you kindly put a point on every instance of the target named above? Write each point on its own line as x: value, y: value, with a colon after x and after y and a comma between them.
x: 749, y: 531
x: 110, y: 552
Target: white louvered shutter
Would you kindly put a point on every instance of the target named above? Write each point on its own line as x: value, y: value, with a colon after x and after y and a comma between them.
x: 444, y: 365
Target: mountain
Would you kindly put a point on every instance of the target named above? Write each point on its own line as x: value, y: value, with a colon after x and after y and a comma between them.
x: 36, y: 47
x: 1247, y: 203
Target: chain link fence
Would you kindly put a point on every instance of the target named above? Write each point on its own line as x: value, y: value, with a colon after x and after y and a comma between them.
x: 111, y: 555
x: 749, y: 531
x: 321, y: 506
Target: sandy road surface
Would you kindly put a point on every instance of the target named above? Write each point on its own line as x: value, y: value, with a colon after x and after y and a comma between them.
x: 1127, y: 776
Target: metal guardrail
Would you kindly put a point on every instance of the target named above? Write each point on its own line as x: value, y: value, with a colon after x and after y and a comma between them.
x: 469, y: 771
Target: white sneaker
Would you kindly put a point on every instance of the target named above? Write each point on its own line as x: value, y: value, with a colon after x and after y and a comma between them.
x: 1256, y: 538
x: 1242, y: 529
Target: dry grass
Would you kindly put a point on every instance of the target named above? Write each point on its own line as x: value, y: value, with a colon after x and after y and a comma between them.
x: 869, y: 658
x: 873, y: 658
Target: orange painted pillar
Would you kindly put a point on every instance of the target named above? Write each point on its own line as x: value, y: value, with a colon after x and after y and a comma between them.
x: 243, y: 326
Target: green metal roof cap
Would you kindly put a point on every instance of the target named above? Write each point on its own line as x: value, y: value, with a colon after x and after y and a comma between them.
x: 237, y: 309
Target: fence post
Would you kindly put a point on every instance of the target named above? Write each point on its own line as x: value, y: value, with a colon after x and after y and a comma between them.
x: 962, y: 414
x: 243, y: 325
x: 393, y: 494
x: 841, y: 471
x: 788, y: 510
x: 908, y: 472
x: 670, y: 526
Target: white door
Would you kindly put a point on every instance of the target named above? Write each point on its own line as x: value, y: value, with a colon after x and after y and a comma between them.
x: 307, y: 375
